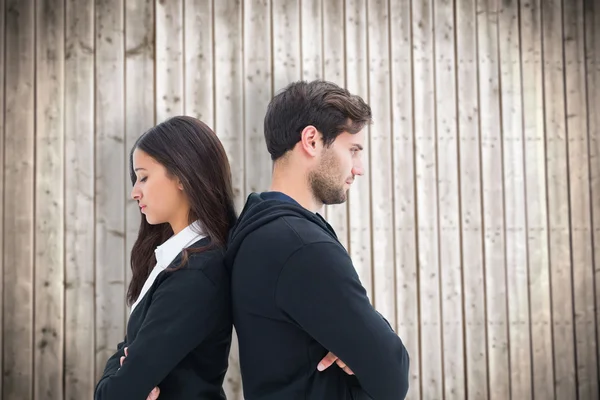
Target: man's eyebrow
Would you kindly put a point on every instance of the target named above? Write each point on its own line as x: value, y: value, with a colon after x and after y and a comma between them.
x: 138, y: 169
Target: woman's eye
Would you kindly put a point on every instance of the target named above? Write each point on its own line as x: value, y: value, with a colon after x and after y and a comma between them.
x: 144, y: 179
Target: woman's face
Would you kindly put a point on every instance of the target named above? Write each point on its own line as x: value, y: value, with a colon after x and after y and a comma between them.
x: 160, y: 197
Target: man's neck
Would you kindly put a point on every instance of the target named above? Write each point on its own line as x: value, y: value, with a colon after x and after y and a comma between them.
x: 297, y: 188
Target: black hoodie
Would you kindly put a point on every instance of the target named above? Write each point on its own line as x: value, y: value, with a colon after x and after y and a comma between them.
x: 296, y: 296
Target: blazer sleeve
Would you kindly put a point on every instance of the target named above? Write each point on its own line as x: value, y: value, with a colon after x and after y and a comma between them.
x: 113, y: 364
x: 185, y: 307
x: 319, y: 290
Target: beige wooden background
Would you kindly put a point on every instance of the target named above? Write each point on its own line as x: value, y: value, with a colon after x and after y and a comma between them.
x: 476, y: 229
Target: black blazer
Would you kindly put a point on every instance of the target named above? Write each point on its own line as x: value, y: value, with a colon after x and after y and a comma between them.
x: 178, y: 336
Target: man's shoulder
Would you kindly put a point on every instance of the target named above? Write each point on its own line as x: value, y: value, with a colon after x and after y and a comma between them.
x: 293, y: 228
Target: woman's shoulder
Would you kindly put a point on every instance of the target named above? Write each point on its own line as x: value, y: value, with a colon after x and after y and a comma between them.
x: 203, y: 261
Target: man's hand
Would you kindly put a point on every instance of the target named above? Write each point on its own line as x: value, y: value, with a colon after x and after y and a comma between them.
x: 155, y: 392
x: 328, y: 361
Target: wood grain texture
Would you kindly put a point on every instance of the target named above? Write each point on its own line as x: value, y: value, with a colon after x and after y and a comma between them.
x: 493, y: 200
x: 537, y: 206
x: 579, y: 201
x: 565, y: 380
x: 49, y: 206
x: 80, y: 375
x: 405, y: 205
x: 476, y: 358
x: 19, y: 200
x: 448, y: 201
x: 592, y: 67
x: 432, y: 378
x: 169, y: 93
x: 517, y: 289
x: 379, y: 170
x: 109, y: 179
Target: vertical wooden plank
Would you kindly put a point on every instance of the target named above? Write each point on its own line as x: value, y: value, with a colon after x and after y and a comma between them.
x: 558, y: 201
x: 49, y: 194
x: 407, y: 301
x: 333, y: 70
x: 312, y: 28
x: 359, y: 198
x: 579, y: 191
x: 427, y: 210
x: 514, y: 195
x: 2, y: 136
x: 139, y: 105
x: 493, y: 207
x: 79, y: 201
x: 257, y: 93
x: 471, y: 205
x: 19, y: 211
x: 169, y: 59
x: 198, y: 50
x: 286, y: 43
x: 229, y: 88
x: 537, y: 217
x: 380, y: 166
x: 109, y: 179
x: 448, y: 201
x: 592, y: 66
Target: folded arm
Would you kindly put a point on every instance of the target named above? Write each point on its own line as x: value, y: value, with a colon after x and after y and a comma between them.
x: 180, y: 316
x: 319, y: 290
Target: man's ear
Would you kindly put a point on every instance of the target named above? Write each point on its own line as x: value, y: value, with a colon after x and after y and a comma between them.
x: 310, y: 140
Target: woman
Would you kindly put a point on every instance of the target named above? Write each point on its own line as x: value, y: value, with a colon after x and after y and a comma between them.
x: 179, y: 332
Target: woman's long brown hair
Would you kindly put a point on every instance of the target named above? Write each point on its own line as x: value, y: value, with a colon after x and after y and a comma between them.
x: 192, y: 152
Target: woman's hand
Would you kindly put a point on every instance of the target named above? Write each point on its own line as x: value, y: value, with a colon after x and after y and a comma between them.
x: 155, y: 392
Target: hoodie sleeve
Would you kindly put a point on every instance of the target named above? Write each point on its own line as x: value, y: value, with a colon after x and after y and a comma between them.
x: 319, y: 289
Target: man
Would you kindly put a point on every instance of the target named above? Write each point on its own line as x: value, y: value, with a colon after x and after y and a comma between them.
x: 296, y: 296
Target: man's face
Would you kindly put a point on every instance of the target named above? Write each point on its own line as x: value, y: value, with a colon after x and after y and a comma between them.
x: 338, y: 165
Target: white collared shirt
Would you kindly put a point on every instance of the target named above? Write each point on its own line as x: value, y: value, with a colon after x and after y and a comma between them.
x: 166, y: 253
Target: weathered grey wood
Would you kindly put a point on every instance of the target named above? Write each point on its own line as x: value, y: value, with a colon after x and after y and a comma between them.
x: 405, y: 205
x: 467, y: 84
x: 257, y: 93
x: 537, y: 206
x: 199, y: 66
x: 379, y: 170
x: 517, y: 290
x: 139, y: 105
x: 229, y: 89
x: 579, y: 200
x: 359, y: 199
x: 312, y: 16
x: 2, y: 135
x: 169, y: 59
x: 565, y: 380
x: 79, y: 201
x: 426, y: 194
x: 49, y: 204
x: 591, y: 11
x: 493, y: 199
x: 286, y: 42
x: 448, y: 201
x: 19, y: 200
x: 109, y: 179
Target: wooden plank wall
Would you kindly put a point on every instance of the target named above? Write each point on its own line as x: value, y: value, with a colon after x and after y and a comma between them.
x: 475, y: 230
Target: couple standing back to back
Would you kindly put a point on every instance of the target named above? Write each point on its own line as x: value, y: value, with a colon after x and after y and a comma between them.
x: 305, y: 326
